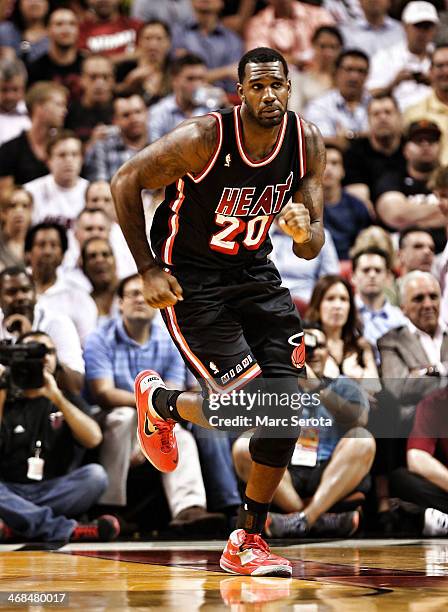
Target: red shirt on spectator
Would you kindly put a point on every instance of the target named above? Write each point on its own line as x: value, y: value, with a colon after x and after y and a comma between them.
x: 110, y: 37
x: 430, y: 431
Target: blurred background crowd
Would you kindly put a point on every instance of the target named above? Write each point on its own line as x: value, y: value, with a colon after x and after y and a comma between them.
x: 84, y: 86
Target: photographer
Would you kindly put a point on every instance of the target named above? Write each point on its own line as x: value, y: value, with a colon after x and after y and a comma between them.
x: 20, y: 314
x: 41, y: 437
x: 330, y: 464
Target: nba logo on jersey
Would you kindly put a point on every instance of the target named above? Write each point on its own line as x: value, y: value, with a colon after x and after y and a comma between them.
x: 228, y: 160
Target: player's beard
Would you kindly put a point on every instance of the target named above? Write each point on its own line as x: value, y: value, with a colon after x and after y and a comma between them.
x: 264, y: 121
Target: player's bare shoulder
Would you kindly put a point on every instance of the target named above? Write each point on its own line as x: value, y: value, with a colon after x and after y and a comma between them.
x: 315, y: 147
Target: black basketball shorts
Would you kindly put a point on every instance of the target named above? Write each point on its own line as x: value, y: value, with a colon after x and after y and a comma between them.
x: 235, y: 325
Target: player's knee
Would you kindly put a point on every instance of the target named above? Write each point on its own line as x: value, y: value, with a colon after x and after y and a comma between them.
x: 272, y: 452
x: 241, y: 457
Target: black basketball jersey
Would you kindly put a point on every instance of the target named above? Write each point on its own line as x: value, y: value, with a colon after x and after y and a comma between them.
x: 220, y: 218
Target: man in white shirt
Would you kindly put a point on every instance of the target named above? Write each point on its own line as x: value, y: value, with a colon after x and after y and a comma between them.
x: 59, y: 196
x: 20, y: 313
x: 13, y: 112
x: 45, y: 245
x: 402, y: 69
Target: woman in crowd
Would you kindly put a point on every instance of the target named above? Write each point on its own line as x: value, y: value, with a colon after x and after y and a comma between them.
x: 16, y: 207
x: 149, y: 76
x: 26, y: 31
x: 318, y: 76
x: 332, y: 306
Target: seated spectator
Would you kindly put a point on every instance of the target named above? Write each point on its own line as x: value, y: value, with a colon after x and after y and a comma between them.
x: 114, y: 355
x: 341, y: 113
x: 439, y: 186
x: 130, y: 136
x: 204, y: 35
x: 62, y: 63
x: 405, y: 199
x: 59, y: 196
x: 149, y: 74
x: 381, y: 151
x: 188, y: 75
x: 402, y: 69
x: 288, y: 27
x: 41, y: 499
x: 23, y: 158
x: 344, y: 214
x: 26, y: 30
x: 318, y: 75
x: 108, y: 32
x: 371, y: 275
x: 92, y: 223
x: 376, y: 31
x: 98, y: 195
x: 336, y: 463
x: 300, y: 275
x: 20, y: 314
x: 45, y: 246
x: 15, y: 219
x: 413, y: 354
x: 424, y: 481
x: 377, y: 237
x: 14, y: 117
x: 99, y: 265
x: 90, y: 117
x: 415, y: 250
x: 169, y: 11
x: 333, y: 308
x: 434, y: 107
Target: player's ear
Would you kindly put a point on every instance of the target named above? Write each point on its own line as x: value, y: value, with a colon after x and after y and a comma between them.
x: 239, y: 91
x: 289, y: 88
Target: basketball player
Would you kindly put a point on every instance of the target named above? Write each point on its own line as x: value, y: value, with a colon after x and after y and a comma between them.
x: 227, y: 175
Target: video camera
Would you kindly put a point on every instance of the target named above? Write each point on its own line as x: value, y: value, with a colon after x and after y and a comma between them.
x: 24, y: 365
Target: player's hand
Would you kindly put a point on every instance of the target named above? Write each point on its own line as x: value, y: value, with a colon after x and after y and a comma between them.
x: 295, y: 221
x: 161, y: 289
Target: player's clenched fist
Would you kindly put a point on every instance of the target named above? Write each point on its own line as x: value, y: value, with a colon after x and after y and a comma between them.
x: 295, y: 221
x: 161, y: 289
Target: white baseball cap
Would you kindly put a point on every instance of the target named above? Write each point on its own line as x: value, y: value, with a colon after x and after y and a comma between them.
x: 418, y: 12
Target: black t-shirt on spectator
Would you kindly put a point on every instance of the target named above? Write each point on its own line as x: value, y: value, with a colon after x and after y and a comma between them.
x: 82, y: 120
x: 363, y: 164
x: 418, y: 192
x: 18, y: 160
x: 24, y: 422
x: 45, y: 69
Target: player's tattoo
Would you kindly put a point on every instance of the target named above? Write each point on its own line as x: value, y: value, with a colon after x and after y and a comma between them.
x: 188, y: 148
x: 310, y: 191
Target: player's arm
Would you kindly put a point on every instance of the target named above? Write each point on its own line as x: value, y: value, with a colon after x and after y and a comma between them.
x: 302, y: 219
x: 187, y: 148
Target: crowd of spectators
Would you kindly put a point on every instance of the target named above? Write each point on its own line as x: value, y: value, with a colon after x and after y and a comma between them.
x: 84, y: 86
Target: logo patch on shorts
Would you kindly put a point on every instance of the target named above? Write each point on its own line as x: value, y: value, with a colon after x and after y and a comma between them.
x: 298, y: 355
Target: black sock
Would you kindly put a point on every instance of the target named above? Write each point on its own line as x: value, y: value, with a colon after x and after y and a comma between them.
x: 164, y: 401
x: 252, y: 516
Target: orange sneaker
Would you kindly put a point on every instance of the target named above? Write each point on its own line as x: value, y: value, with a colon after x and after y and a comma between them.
x: 155, y: 435
x: 249, y: 555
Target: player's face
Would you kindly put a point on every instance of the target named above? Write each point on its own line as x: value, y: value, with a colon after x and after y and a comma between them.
x: 264, y: 92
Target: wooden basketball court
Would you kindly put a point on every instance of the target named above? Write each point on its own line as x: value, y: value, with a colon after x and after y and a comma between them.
x: 363, y: 575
